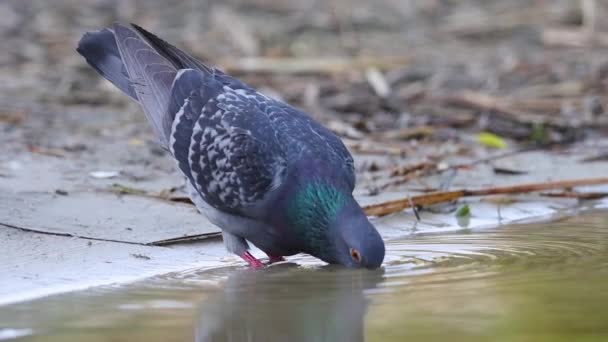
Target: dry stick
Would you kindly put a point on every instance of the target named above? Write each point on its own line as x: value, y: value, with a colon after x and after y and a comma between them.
x: 125, y: 190
x: 310, y: 65
x: 573, y: 37
x: 369, y: 147
x: 589, y: 10
x: 577, y: 195
x: 69, y: 235
x: 159, y: 243
x: 390, y: 207
x: 185, y: 239
x: 487, y: 102
x: 402, y: 179
x: 510, y: 111
x: 493, y: 158
x: 427, y: 169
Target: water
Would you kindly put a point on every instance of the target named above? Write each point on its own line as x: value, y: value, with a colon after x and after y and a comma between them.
x: 536, y: 282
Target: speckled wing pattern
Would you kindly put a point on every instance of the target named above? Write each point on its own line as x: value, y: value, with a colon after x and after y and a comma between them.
x: 236, y: 145
x: 303, y: 137
x: 223, y: 140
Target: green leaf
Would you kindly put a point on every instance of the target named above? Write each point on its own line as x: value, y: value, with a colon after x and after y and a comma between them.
x: 463, y: 216
x: 539, y: 135
x: 463, y: 211
x: 491, y: 140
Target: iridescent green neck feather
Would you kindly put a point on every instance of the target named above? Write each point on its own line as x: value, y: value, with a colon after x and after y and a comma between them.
x: 311, y: 211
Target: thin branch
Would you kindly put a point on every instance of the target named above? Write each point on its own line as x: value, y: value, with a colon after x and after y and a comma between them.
x: 310, y: 65
x: 186, y: 239
x: 70, y: 235
x: 394, y: 206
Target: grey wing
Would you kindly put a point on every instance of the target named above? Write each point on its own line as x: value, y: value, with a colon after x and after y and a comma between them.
x: 224, y: 142
x: 343, y: 158
x: 302, y: 135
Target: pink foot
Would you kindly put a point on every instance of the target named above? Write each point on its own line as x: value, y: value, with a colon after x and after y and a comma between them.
x: 251, y: 260
x: 272, y: 259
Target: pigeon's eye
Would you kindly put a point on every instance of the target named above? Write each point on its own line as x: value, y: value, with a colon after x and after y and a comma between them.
x: 355, y: 255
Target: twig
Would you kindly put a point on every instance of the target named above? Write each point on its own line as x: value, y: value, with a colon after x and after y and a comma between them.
x: 310, y: 65
x: 163, y: 195
x: 390, y: 207
x: 487, y: 102
x: 492, y: 158
x: 185, y: 239
x: 159, y: 243
x: 576, y: 194
x: 46, y: 151
x: 589, y: 10
x: 378, y: 82
x: 542, y: 97
x: 573, y: 37
x: 15, y: 117
x: 405, y: 174
x: 372, y: 147
x: 344, y: 129
x: 518, y: 110
x: 70, y: 235
x: 408, y: 169
x: 603, y: 156
x: 416, y: 211
x: 406, y: 133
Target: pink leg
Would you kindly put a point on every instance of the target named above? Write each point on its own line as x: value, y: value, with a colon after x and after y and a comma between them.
x: 251, y: 260
x: 272, y: 259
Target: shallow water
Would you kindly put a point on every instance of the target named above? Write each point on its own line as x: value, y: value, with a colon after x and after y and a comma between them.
x: 534, y: 282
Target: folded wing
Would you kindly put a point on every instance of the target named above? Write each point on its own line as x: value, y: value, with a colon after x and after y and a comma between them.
x: 224, y: 142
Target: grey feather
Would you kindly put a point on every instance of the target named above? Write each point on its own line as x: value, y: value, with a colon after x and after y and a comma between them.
x: 179, y: 58
x: 152, y: 76
x: 231, y: 158
x: 101, y: 52
x: 292, y: 127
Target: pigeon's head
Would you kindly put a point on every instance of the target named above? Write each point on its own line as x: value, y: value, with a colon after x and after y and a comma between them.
x: 332, y: 227
x: 357, y: 242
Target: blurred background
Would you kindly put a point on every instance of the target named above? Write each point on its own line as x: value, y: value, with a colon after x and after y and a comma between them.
x: 370, y: 66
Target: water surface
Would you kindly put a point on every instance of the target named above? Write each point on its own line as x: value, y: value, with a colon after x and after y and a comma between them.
x: 533, y: 282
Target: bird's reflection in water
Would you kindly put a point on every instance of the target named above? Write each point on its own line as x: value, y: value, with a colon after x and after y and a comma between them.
x: 288, y: 303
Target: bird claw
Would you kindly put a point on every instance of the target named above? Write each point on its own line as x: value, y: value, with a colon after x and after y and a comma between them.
x: 252, y: 261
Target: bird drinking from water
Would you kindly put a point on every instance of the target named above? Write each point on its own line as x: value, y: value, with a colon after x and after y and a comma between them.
x: 262, y: 171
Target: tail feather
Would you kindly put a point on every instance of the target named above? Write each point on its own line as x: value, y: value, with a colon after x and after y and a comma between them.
x: 141, y: 65
x: 152, y: 76
x: 101, y: 52
x: 179, y: 58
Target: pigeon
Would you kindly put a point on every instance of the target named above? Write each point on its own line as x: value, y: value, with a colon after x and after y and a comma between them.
x: 263, y: 171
